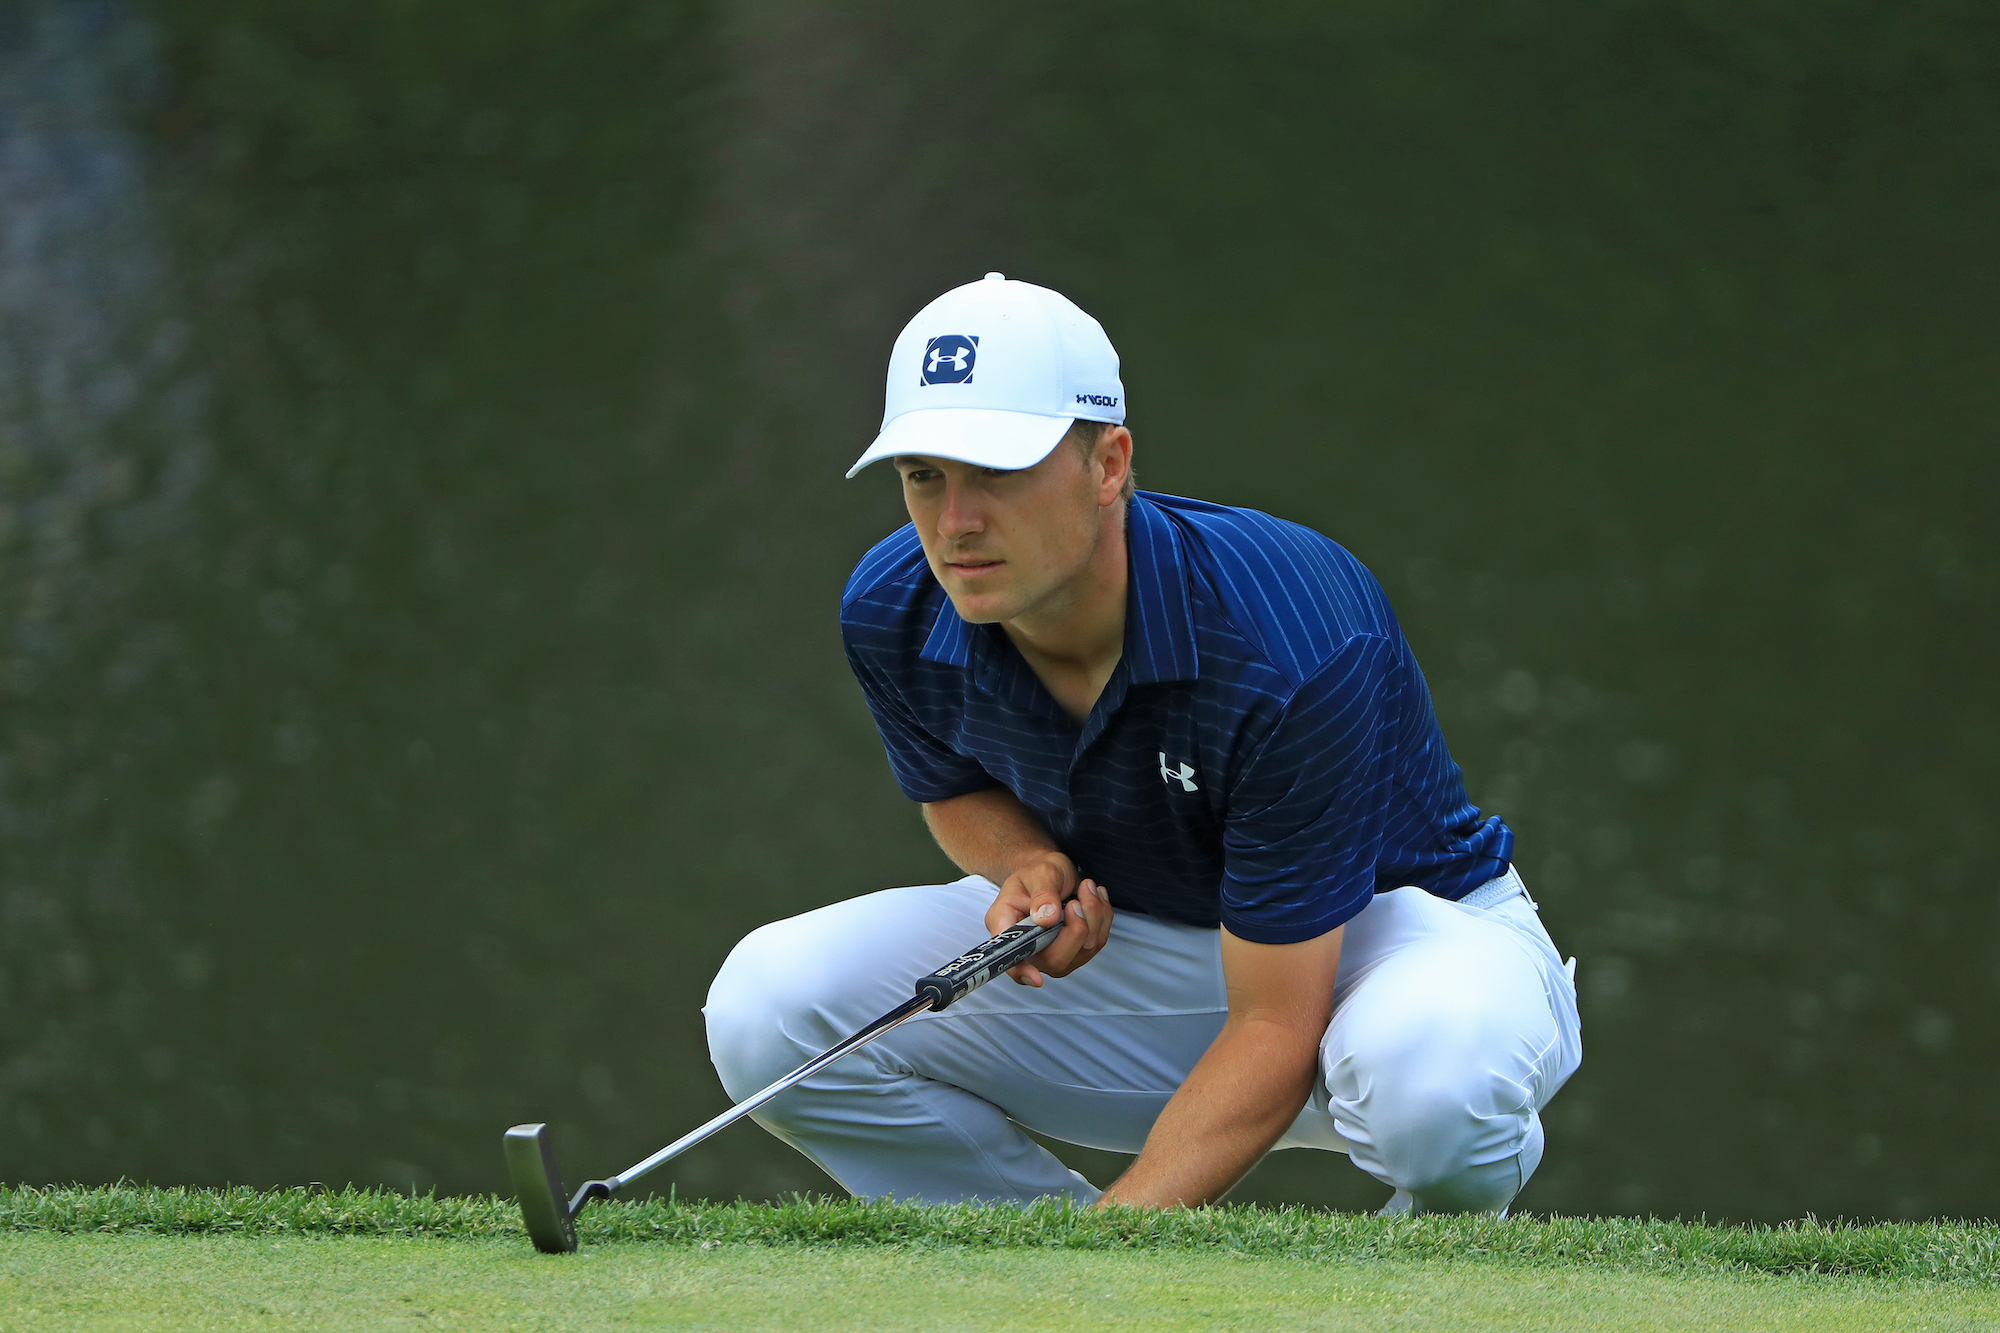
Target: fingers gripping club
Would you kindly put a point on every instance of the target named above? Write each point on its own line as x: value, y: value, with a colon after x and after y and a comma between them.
x: 975, y: 967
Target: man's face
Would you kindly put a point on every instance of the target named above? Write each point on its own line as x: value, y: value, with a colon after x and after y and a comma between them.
x: 1004, y: 544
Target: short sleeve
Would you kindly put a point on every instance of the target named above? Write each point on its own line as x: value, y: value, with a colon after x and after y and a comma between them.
x: 1304, y: 826
x: 925, y: 767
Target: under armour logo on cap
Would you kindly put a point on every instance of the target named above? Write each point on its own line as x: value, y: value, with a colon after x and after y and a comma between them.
x: 948, y: 359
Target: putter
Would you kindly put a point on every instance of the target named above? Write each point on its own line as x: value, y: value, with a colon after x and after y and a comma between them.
x: 531, y: 1158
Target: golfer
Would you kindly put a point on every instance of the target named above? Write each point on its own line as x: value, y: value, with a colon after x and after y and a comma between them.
x: 1196, y: 736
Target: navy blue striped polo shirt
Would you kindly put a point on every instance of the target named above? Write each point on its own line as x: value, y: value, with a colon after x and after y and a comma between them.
x: 1264, y: 756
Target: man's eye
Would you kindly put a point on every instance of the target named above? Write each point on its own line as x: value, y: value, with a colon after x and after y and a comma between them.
x: 920, y: 474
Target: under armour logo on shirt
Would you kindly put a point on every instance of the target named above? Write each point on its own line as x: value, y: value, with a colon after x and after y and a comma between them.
x: 1184, y: 776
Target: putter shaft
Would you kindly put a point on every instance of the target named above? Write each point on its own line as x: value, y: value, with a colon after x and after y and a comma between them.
x: 903, y: 1012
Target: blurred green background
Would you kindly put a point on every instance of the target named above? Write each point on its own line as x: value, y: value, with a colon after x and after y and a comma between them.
x: 421, y: 428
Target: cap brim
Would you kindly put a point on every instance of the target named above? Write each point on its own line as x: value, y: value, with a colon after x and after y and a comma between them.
x: 982, y: 436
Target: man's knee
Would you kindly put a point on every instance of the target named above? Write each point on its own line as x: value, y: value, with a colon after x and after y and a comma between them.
x: 793, y: 988
x: 765, y: 1008
x: 1424, y: 1131
x: 1435, y: 1089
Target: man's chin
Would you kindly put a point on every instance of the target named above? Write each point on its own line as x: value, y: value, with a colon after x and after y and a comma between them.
x: 980, y: 608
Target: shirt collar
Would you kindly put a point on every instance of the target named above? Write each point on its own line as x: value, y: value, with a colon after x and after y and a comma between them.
x: 1159, y: 615
x: 950, y: 641
x: 980, y: 651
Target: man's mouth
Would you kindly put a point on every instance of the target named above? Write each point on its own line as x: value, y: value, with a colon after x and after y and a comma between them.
x: 972, y: 567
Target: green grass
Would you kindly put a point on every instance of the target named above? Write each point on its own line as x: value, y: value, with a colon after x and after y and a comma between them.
x: 1935, y: 1251
x: 129, y: 1257
x: 154, y: 1282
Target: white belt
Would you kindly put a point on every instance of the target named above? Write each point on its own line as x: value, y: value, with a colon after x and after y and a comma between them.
x: 1495, y: 891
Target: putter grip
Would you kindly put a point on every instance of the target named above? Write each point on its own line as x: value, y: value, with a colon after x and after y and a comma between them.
x: 974, y: 968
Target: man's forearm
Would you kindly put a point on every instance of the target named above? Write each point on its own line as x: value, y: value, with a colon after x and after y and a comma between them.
x: 990, y: 833
x: 1239, y: 1099
x: 1247, y: 1088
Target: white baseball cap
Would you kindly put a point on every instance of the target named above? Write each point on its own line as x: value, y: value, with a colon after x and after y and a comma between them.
x: 992, y: 373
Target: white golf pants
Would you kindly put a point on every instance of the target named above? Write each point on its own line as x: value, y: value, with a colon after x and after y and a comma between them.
x: 1453, y: 1025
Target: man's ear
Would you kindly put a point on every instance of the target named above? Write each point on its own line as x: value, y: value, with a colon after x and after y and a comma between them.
x: 1114, y: 455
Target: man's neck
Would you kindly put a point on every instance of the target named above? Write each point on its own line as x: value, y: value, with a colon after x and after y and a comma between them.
x: 1073, y: 641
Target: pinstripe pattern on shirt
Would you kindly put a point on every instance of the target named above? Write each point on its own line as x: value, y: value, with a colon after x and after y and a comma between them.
x: 1261, y: 658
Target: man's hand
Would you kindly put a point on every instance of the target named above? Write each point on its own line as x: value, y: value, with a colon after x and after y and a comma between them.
x: 991, y: 833
x: 1046, y: 889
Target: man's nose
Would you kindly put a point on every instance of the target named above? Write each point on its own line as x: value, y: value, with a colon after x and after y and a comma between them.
x: 959, y: 516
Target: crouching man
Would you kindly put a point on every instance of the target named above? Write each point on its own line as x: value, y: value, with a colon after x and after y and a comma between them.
x: 1194, y: 734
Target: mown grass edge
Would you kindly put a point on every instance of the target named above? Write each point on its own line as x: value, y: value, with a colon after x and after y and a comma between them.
x: 1958, y: 1252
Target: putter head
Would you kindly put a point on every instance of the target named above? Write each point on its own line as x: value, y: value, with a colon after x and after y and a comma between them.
x: 531, y: 1163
